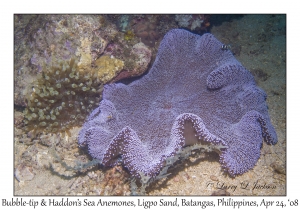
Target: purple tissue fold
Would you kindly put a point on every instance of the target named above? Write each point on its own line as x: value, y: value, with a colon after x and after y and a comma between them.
x: 194, y: 90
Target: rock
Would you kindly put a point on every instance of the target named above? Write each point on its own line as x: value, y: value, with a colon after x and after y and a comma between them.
x: 214, y: 178
x: 18, y: 119
x: 220, y: 193
x: 24, y: 173
x: 279, y: 168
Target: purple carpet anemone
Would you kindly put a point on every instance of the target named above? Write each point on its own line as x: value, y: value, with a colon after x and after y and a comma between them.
x: 196, y: 90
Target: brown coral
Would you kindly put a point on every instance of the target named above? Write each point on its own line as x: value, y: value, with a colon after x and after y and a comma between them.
x: 147, y: 32
x: 137, y: 63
